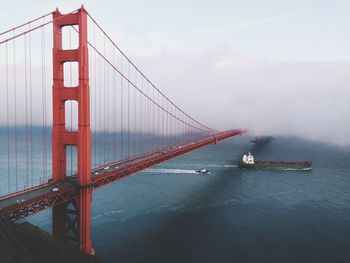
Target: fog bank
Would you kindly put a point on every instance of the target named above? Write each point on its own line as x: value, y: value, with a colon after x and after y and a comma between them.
x: 226, y: 89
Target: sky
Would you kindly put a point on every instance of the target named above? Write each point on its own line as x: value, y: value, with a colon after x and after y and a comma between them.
x: 271, y: 67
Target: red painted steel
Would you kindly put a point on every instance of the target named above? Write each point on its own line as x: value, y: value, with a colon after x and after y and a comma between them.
x: 58, y: 147
x: 84, y: 133
x: 84, y: 206
x: 61, y: 138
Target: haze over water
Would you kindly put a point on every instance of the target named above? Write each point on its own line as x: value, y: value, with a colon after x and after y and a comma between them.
x: 171, y: 214
x: 272, y: 67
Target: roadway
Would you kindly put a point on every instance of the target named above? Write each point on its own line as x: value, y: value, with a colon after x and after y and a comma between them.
x: 35, y: 199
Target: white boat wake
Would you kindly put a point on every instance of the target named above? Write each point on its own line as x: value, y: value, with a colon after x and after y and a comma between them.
x: 230, y: 166
x: 170, y: 171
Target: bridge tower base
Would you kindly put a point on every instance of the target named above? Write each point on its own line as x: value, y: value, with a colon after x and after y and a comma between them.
x: 71, y: 221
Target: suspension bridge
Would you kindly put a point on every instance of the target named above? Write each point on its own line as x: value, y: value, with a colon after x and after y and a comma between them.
x: 78, y: 114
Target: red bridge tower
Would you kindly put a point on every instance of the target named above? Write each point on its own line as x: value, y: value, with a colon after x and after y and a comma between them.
x: 61, y: 137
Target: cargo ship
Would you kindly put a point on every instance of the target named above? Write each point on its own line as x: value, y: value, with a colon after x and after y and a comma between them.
x: 249, y: 162
x: 262, y: 139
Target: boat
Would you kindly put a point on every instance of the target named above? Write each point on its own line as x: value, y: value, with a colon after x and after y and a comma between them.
x: 203, y: 171
x: 249, y: 162
x: 262, y: 139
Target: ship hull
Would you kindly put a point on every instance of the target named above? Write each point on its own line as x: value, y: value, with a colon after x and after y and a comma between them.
x: 291, y: 166
x: 262, y: 139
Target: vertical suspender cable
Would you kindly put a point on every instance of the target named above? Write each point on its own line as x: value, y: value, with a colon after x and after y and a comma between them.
x: 31, y: 108
x: 100, y: 113
x: 42, y: 104
x: 167, y: 123
x: 163, y: 123
x: 104, y: 104
x: 8, y: 121
x: 95, y: 105
x: 148, y: 117
x: 15, y: 106
x: 158, y: 126
x: 107, y: 111
x: 114, y: 101
x: 141, y: 117
x: 26, y: 108
x: 128, y: 110
x: 45, y: 112
x: 134, y: 128
x: 121, y: 109
x: 140, y: 120
x: 154, y: 120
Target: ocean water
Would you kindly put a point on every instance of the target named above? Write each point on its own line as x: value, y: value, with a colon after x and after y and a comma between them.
x: 171, y: 214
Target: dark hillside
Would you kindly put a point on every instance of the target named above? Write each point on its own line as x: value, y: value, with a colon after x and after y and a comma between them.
x: 25, y: 243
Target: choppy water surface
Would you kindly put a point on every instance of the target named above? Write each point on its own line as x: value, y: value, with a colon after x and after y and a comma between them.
x: 171, y: 214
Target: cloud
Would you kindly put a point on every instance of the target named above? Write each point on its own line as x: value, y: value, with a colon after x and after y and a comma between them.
x: 227, y: 90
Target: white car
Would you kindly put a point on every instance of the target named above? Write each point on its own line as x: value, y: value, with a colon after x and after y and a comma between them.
x: 55, y: 189
x: 106, y: 168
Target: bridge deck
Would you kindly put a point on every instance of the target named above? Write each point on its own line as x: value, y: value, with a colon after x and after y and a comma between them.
x: 34, y: 200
